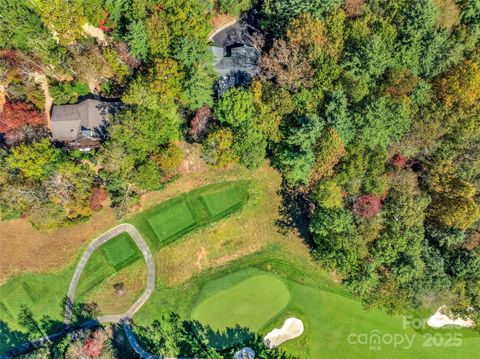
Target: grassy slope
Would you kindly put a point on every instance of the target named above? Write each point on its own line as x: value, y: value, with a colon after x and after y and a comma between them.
x: 43, y: 293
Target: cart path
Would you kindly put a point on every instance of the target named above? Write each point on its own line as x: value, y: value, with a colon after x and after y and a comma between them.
x: 147, y: 254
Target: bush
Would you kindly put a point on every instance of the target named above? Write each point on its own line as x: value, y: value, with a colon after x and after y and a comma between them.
x: 234, y: 7
x: 66, y: 92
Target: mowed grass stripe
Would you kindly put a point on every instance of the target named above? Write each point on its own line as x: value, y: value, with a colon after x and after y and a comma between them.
x: 121, y: 251
x: 164, y: 223
x: 221, y: 201
x: 172, y: 220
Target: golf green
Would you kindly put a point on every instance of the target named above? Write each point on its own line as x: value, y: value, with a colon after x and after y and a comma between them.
x: 251, y: 302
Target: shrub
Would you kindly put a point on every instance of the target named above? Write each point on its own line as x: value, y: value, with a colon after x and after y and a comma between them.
x: 66, y: 92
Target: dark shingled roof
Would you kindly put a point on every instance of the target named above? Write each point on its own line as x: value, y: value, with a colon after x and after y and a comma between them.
x: 85, y: 119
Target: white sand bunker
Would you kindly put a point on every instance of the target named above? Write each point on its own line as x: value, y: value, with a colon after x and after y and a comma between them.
x: 439, y: 320
x: 292, y: 328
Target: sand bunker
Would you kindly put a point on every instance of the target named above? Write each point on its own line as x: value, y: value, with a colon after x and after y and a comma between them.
x: 439, y: 320
x: 292, y: 328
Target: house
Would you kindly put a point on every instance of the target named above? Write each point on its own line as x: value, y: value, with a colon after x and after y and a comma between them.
x: 81, y: 126
x: 236, y: 55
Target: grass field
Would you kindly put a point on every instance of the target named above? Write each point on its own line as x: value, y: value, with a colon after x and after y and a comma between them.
x: 118, y: 260
x: 166, y: 222
x: 108, y: 259
x: 330, y: 316
x: 252, y: 302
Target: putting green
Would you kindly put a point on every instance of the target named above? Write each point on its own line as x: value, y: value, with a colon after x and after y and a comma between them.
x: 251, y: 302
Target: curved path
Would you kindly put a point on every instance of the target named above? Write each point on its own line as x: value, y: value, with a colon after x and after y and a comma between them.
x: 123, y: 319
x: 142, y: 245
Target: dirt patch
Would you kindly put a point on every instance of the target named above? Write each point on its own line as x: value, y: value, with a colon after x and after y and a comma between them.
x: 220, y: 22
x: 94, y: 32
x: 25, y: 249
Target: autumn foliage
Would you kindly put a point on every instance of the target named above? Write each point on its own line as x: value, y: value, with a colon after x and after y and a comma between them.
x: 99, y: 195
x: 17, y: 115
x: 398, y: 161
x: 354, y: 8
x: 367, y: 206
x: 199, y: 124
x: 94, y: 345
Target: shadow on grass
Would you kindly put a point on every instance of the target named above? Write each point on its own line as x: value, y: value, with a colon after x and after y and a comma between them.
x: 172, y: 336
x: 44, y: 331
x: 295, y: 212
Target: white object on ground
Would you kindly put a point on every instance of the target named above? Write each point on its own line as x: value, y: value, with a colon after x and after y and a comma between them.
x: 292, y: 328
x: 94, y: 32
x: 245, y: 353
x: 439, y: 320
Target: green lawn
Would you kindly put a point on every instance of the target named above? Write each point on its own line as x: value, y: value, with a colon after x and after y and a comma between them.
x: 229, y: 296
x: 171, y: 220
x: 43, y: 293
x: 121, y: 251
x: 252, y: 302
x: 168, y: 221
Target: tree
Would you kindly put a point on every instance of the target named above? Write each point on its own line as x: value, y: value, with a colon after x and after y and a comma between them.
x: 235, y: 107
x: 367, y: 206
x: 328, y: 194
x: 329, y: 151
x: 66, y: 92
x: 137, y: 39
x: 460, y: 85
x: 285, y: 65
x: 199, y: 124
x: 217, y: 149
x: 16, y: 115
x: 234, y: 7
x: 306, y: 31
x: 35, y: 161
x: 295, y: 155
x: 65, y: 22
x: 70, y: 186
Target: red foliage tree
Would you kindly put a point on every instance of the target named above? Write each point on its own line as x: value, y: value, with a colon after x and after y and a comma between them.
x: 398, y: 161
x: 367, y: 206
x: 353, y: 8
x: 17, y: 115
x: 99, y: 195
x: 199, y: 124
x: 95, y: 344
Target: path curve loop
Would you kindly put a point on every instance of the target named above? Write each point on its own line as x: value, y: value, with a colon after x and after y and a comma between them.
x: 105, y: 237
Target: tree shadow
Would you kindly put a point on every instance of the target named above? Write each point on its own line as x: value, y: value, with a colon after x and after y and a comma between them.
x: 38, y: 332
x: 171, y: 336
x: 295, y: 210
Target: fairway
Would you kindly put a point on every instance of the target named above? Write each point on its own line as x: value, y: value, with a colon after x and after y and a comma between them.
x: 251, y: 303
x: 171, y: 220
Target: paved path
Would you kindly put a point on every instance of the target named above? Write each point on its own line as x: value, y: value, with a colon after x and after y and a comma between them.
x: 123, y: 319
x: 142, y: 245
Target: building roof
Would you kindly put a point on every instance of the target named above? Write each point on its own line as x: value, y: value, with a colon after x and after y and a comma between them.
x: 85, y: 119
x: 234, y: 50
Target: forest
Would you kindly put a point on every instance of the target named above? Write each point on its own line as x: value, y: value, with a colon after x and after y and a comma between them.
x: 370, y: 110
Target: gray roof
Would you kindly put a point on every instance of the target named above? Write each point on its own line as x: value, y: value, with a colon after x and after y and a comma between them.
x: 234, y: 51
x: 85, y: 119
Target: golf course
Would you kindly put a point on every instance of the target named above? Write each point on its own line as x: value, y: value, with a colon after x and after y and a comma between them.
x: 270, y: 278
